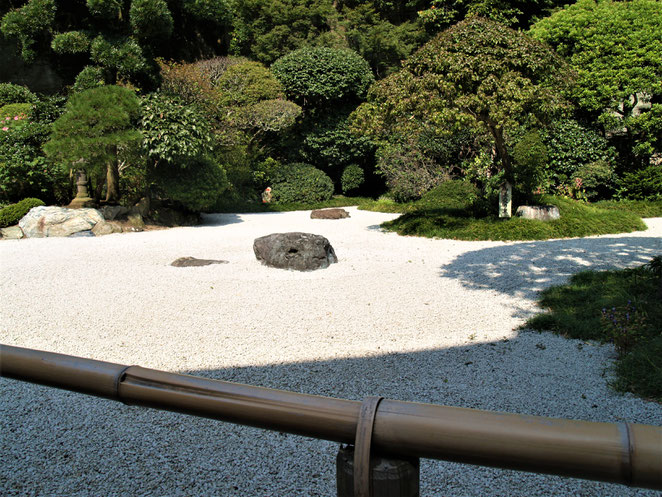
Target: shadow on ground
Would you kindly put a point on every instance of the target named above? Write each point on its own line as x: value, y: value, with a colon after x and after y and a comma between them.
x: 523, y: 269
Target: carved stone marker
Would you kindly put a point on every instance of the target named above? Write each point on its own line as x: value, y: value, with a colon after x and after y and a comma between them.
x: 329, y: 214
x: 539, y: 212
x: 298, y: 251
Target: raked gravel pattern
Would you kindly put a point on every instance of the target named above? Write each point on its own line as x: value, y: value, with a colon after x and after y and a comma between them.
x: 402, y: 317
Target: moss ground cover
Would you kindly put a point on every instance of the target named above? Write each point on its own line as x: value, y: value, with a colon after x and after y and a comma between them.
x: 622, y: 307
x: 452, y: 218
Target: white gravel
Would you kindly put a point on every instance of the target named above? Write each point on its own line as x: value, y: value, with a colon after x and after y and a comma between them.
x: 406, y: 318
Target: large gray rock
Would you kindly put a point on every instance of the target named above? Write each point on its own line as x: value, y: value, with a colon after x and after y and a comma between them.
x: 299, y: 251
x: 539, y: 212
x: 46, y: 221
x: 112, y: 212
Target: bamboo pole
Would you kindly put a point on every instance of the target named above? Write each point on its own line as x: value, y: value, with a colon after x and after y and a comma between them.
x: 625, y: 453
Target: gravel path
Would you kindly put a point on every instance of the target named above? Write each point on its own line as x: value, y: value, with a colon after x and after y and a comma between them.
x: 406, y: 318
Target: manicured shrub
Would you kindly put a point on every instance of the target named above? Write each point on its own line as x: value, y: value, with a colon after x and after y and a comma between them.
x: 352, y: 178
x: 15, y: 94
x: 123, y: 57
x: 299, y: 182
x: 570, y: 147
x: 70, y: 42
x: 644, y: 184
x: 409, y: 173
x: 214, y: 68
x: 453, y: 194
x: 196, y: 187
x: 151, y: 19
x: 597, y: 179
x: 173, y: 132
x: 530, y: 155
x: 191, y: 84
x: 90, y: 77
x: 248, y: 83
x: 106, y: 9
x: 12, y: 214
x: 313, y: 77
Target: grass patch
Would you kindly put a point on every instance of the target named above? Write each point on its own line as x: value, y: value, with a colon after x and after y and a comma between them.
x: 248, y: 207
x: 632, y: 303
x: 642, y: 208
x: 454, y: 219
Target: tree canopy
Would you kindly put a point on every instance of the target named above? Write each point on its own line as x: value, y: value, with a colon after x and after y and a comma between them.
x: 616, y: 50
x: 477, y: 74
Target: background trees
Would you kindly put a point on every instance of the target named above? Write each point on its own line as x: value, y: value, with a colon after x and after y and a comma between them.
x: 616, y: 50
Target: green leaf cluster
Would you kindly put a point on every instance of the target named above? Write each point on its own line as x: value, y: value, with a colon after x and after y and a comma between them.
x: 151, y: 19
x: 95, y: 124
x: 15, y: 94
x: 29, y: 24
x: 316, y: 77
x: 173, y: 132
x: 70, y: 42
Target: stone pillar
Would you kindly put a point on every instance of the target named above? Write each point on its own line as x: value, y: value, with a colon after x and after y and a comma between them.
x: 390, y: 477
x: 82, y: 198
x: 506, y: 200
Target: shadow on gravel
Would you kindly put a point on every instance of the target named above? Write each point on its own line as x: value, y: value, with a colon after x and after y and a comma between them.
x: 219, y: 219
x: 523, y: 269
x: 62, y: 443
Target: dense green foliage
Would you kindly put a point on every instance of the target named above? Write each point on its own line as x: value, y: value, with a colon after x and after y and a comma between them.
x: 173, y: 132
x: 15, y: 94
x: 12, y: 214
x: 315, y: 77
x: 623, y: 307
x: 197, y: 188
x: 644, y: 184
x: 616, y: 49
x: 352, y: 178
x: 121, y: 38
x: 301, y: 183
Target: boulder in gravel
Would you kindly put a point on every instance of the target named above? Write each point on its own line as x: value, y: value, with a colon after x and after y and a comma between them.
x: 106, y: 228
x: 193, y: 262
x: 539, y: 212
x: 298, y: 251
x: 11, y: 233
x: 112, y: 212
x: 46, y: 221
x: 329, y: 214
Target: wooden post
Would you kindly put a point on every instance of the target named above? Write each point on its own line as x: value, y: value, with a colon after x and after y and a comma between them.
x: 390, y: 477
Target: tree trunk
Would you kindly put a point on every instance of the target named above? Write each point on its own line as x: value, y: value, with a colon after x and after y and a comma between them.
x: 506, y: 191
x: 112, y: 183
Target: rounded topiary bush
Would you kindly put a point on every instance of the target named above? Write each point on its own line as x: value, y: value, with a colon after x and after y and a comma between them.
x: 15, y: 94
x: 352, y: 178
x: 12, y: 214
x: 454, y: 194
x: 299, y: 182
x: 315, y: 76
x: 196, y: 187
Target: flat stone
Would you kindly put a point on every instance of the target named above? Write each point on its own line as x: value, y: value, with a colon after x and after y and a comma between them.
x: 46, y: 221
x: 329, y: 214
x: 298, y: 251
x: 539, y: 212
x: 11, y: 233
x: 82, y: 234
x: 193, y: 262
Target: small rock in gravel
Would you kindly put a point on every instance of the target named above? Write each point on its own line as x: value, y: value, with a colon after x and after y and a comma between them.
x: 193, y: 262
x: 329, y: 214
